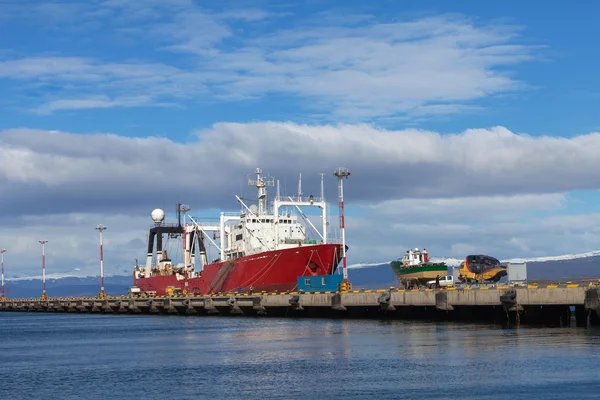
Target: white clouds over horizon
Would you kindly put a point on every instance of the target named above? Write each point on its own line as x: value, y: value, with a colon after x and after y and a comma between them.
x: 487, y: 190
x: 348, y: 68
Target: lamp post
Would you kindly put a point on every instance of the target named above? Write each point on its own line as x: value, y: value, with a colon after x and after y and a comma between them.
x: 102, y: 295
x: 44, y: 295
x: 342, y: 173
x: 2, y: 251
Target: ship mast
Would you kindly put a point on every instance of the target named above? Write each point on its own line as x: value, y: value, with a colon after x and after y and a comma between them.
x: 342, y: 173
x: 261, y: 184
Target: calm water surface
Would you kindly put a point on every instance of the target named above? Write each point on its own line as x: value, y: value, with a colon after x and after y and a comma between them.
x: 70, y: 356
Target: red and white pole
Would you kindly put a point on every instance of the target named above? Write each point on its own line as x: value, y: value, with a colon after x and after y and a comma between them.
x: 2, y: 251
x: 101, y: 228
x: 342, y: 173
x: 43, y: 242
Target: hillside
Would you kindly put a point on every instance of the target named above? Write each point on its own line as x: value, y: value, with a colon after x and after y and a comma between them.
x: 369, y: 276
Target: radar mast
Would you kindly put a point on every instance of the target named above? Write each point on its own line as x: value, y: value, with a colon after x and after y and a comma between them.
x: 261, y: 184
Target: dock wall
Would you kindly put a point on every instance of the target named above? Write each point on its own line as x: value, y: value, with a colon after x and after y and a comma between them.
x: 548, y: 305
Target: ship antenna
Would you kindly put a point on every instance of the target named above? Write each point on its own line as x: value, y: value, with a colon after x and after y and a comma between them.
x: 182, y: 209
x: 261, y: 184
x: 342, y: 173
x: 278, y: 194
x: 300, y: 188
x: 322, y: 187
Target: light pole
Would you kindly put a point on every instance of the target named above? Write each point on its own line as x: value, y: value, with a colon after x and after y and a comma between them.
x: 342, y: 173
x: 2, y: 251
x: 102, y: 295
x: 44, y: 295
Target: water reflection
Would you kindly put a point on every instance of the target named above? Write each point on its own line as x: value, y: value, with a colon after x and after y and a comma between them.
x: 280, y: 358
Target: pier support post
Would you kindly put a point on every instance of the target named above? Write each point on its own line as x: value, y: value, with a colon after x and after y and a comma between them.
x: 190, y: 310
x: 209, y: 306
x: 80, y: 307
x: 592, y: 306
x: 234, y: 309
x: 258, y: 307
x: 95, y: 308
x: 133, y: 307
x: 153, y: 309
x: 510, y: 303
x: 441, y: 301
x: 106, y: 306
x: 385, y: 302
x: 168, y: 305
x: 121, y: 309
x: 295, y: 303
x: 592, y: 299
x: 336, y: 302
x: 580, y: 315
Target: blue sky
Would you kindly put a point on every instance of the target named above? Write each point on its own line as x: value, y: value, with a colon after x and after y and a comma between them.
x: 468, y: 125
x: 557, y: 96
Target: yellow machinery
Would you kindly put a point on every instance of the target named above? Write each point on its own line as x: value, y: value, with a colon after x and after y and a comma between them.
x: 173, y: 291
x: 480, y: 268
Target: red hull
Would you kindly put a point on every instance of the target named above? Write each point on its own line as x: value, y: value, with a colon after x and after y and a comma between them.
x: 268, y: 271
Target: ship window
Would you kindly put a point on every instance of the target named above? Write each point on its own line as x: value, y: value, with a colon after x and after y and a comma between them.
x: 307, y: 281
x: 238, y: 237
x: 323, y: 281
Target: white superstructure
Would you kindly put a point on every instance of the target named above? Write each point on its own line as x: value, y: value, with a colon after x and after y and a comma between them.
x: 415, y: 257
x: 264, y: 227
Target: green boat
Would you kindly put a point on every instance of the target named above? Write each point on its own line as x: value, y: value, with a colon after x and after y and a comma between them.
x: 415, y: 268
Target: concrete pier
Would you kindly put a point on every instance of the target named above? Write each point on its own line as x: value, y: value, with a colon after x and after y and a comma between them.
x: 550, y: 305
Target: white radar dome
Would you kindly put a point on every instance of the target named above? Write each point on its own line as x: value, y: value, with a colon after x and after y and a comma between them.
x: 158, y: 215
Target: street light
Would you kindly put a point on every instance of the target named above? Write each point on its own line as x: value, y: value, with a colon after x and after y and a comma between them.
x: 2, y: 251
x: 342, y: 173
x: 44, y: 295
x: 101, y: 228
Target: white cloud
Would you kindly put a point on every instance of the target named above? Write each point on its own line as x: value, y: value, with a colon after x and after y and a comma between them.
x: 406, y: 163
x: 355, y: 68
x: 505, y: 226
x: 488, y: 190
x: 97, y: 102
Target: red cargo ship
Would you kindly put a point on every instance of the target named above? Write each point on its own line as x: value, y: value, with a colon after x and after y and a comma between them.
x: 261, y: 248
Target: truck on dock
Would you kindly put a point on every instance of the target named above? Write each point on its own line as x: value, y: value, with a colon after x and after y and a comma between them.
x: 135, y: 291
x: 444, y: 281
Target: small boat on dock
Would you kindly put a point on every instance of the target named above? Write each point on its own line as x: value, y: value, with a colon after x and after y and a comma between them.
x: 416, y: 268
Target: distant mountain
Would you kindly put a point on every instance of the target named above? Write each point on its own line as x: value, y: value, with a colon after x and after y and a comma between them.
x: 367, y: 275
x: 68, y: 286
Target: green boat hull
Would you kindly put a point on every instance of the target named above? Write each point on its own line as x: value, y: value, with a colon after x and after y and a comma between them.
x: 419, y: 273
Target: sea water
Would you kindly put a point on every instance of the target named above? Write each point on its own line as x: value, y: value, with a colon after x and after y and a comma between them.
x: 75, y: 356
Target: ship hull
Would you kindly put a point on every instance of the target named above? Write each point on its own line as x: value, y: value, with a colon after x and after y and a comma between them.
x: 420, y: 273
x: 276, y: 270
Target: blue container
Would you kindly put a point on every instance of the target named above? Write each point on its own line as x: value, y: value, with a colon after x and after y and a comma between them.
x: 319, y: 283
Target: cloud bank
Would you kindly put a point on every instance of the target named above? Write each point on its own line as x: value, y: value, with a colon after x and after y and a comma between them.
x: 483, y: 190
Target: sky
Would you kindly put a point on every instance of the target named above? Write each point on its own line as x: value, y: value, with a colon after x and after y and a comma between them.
x: 468, y: 126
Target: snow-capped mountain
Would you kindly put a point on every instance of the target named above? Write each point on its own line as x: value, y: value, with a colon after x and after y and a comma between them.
x: 365, y: 275
x: 455, y: 261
